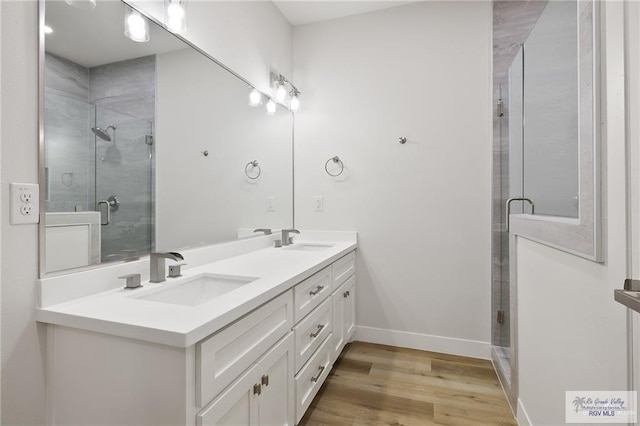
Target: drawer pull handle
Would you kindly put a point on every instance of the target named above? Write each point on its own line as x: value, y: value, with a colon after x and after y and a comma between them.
x: 347, y: 293
x: 316, y: 291
x: 257, y: 389
x: 315, y: 379
x: 265, y: 380
x: 315, y: 334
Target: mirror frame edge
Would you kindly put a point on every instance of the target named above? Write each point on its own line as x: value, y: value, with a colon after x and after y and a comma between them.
x: 582, y: 236
x: 42, y: 246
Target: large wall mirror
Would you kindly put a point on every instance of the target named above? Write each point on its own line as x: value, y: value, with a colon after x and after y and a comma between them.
x: 554, y: 140
x: 148, y: 145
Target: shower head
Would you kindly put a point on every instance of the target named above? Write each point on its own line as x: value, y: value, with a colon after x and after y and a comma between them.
x: 103, y: 133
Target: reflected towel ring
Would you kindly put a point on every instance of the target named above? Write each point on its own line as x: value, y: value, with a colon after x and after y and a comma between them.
x: 336, y: 160
x: 254, y: 165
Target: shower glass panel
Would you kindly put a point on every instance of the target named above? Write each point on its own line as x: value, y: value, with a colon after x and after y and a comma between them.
x: 123, y: 178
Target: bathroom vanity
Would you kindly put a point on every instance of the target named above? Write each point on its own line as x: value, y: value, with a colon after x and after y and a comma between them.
x: 175, y: 353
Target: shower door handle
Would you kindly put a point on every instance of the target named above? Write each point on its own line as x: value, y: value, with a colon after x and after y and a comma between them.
x: 508, y: 207
x: 106, y: 203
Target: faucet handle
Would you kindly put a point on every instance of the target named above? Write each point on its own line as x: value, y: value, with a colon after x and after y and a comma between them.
x: 175, y: 270
x: 266, y: 231
x: 133, y: 281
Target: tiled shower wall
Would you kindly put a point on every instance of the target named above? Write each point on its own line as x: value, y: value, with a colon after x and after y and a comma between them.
x: 84, y: 169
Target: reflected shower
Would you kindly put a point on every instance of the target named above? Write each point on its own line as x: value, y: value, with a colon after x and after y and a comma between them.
x: 104, y: 133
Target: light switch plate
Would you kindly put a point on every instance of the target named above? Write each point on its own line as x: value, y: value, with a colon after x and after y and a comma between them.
x: 25, y: 203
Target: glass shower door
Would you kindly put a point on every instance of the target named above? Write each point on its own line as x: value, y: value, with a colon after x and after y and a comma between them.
x: 123, y: 183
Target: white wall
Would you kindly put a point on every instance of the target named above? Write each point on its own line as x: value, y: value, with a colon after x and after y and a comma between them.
x: 422, y: 210
x: 23, y: 340
x: 208, y: 109
x: 250, y: 37
x: 571, y: 333
x: 23, y: 343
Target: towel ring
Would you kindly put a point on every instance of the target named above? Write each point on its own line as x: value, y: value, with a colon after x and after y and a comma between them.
x: 254, y: 165
x: 336, y: 160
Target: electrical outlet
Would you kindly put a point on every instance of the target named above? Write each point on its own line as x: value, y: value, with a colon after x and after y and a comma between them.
x: 25, y: 204
x: 270, y: 204
x: 318, y: 203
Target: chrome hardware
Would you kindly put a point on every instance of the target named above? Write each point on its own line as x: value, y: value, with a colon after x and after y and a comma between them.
x: 315, y: 379
x: 500, y: 108
x: 114, y: 202
x: 106, y: 203
x: 285, y: 235
x: 266, y: 231
x: 133, y: 281
x: 402, y: 140
x: 336, y: 160
x: 148, y: 139
x: 290, y: 240
x: 265, y: 380
x: 205, y: 153
x: 508, y: 207
x: 346, y: 294
x: 278, y: 243
x: 316, y: 291
x: 175, y: 271
x: 317, y: 332
x: 254, y: 165
x: 257, y: 389
x: 156, y: 263
x: 500, y: 317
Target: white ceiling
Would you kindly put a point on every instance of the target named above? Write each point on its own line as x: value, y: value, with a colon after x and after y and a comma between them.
x: 300, y: 12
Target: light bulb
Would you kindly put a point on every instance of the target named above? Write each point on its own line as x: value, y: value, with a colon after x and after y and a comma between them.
x: 255, y: 98
x: 176, y: 16
x: 271, y: 107
x: 136, y: 27
x: 295, y: 102
x: 281, y: 93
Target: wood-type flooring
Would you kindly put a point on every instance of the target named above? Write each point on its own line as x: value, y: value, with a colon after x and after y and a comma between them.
x: 383, y: 385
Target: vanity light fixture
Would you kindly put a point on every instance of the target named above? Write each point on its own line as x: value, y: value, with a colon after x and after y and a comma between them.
x: 176, y: 15
x: 255, y: 97
x: 294, y: 104
x: 271, y: 107
x: 136, y: 27
x: 279, y: 84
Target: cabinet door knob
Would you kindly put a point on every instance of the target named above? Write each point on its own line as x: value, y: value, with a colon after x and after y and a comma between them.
x: 257, y: 389
x: 346, y: 294
x: 265, y: 380
x: 315, y: 333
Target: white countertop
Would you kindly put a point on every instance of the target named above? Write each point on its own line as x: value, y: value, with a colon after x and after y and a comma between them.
x: 118, y: 312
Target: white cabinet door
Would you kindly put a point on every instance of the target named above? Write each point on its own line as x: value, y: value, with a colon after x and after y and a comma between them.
x: 349, y: 296
x: 237, y: 405
x: 338, y: 343
x: 276, y: 401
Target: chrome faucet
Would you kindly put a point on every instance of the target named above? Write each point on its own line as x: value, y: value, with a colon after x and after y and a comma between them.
x: 286, y: 239
x: 266, y: 231
x: 156, y: 262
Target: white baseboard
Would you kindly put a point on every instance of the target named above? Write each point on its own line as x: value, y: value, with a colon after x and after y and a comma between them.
x: 523, y: 418
x: 424, y: 342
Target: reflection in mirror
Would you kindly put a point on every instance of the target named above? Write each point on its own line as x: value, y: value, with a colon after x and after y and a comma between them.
x: 551, y: 107
x: 125, y: 128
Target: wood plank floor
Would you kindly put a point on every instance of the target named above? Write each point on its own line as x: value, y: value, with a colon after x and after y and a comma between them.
x: 384, y: 385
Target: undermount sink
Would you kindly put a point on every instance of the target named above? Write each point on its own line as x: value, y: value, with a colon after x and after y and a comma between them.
x: 308, y: 247
x: 194, y: 291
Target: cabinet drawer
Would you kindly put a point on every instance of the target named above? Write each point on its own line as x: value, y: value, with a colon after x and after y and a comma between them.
x: 311, y: 292
x: 311, y: 332
x: 222, y: 357
x: 343, y: 268
x: 311, y: 377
